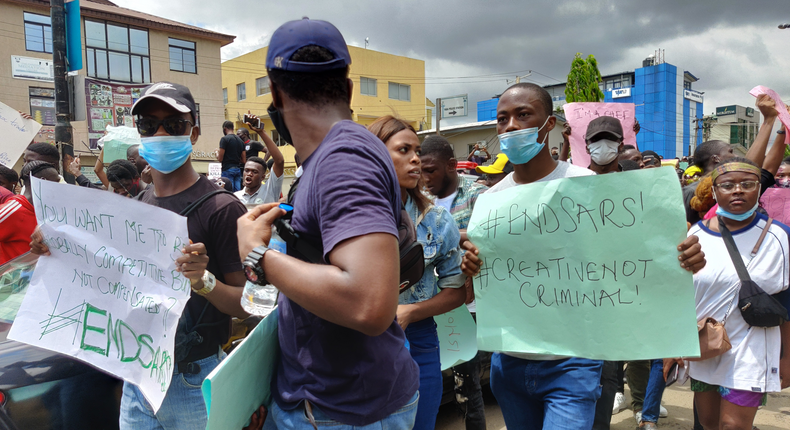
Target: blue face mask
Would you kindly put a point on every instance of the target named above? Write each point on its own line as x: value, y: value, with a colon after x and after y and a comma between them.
x: 166, y: 153
x: 742, y: 217
x: 520, y: 146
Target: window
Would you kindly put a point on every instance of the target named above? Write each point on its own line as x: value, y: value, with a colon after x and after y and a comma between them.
x: 400, y: 92
x: 241, y: 91
x: 687, y: 85
x: 367, y: 87
x: 225, y: 95
x: 182, y: 55
x: 117, y: 52
x: 262, y: 86
x: 38, y: 33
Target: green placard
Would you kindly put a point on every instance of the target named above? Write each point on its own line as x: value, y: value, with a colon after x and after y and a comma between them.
x: 585, y: 267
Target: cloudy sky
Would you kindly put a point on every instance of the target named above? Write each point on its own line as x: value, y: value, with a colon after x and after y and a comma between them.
x: 474, y: 47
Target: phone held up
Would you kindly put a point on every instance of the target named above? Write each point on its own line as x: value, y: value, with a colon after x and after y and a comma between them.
x: 255, y: 122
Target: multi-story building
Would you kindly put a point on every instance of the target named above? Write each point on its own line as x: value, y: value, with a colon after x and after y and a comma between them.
x: 384, y: 84
x: 737, y: 125
x: 668, y: 109
x: 123, y: 50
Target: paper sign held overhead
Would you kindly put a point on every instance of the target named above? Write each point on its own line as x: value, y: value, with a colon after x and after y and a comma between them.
x: 784, y: 116
x: 109, y: 294
x: 776, y: 201
x: 579, y: 116
x: 17, y: 133
x: 566, y: 262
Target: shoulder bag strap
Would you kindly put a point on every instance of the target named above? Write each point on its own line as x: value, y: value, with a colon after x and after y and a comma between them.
x: 196, y: 204
x: 737, y: 261
x: 762, y: 236
x: 733, y: 250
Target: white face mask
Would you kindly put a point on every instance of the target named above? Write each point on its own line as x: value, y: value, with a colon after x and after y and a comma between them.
x: 603, y: 151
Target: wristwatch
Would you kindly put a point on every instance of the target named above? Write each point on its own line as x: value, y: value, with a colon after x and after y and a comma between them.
x: 209, y: 282
x: 252, y: 266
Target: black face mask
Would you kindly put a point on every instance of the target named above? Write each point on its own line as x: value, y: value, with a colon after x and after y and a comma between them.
x: 279, y: 123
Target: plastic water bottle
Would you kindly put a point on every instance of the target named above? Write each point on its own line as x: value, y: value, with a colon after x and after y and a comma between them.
x: 261, y: 299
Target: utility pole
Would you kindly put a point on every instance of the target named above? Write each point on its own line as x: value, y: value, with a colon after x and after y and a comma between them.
x: 63, y: 133
x: 438, y: 115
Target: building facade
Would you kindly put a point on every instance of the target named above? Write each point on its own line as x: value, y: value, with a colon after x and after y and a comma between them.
x: 669, y: 111
x: 737, y: 125
x: 384, y: 84
x: 123, y: 50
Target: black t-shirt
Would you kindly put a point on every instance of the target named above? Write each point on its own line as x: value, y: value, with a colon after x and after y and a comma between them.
x: 233, y: 147
x: 214, y: 224
x: 253, y: 148
x: 766, y: 181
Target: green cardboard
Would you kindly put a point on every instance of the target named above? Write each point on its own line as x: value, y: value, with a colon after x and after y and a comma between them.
x: 242, y: 382
x: 585, y: 267
x: 457, y: 336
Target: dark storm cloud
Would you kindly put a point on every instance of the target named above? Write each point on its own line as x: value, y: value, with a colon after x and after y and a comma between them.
x: 724, y: 43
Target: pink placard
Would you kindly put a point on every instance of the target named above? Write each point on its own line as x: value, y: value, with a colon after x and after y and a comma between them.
x: 776, y: 201
x: 579, y: 116
x: 784, y: 117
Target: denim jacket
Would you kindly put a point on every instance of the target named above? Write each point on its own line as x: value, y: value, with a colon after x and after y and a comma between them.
x: 439, y: 237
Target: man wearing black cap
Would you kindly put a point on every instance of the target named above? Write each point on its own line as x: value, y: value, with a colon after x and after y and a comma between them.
x: 166, y: 122
x: 343, y: 359
x: 604, y: 138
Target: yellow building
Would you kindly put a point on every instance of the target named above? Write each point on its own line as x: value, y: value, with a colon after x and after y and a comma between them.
x: 123, y: 50
x: 384, y: 84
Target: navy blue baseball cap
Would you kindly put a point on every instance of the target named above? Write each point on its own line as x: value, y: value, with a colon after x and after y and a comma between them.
x: 294, y: 35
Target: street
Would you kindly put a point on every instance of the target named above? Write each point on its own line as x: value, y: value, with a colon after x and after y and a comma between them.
x: 677, y: 400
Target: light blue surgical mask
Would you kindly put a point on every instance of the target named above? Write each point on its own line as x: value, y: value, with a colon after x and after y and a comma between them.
x: 166, y: 153
x: 520, y: 146
x: 742, y: 217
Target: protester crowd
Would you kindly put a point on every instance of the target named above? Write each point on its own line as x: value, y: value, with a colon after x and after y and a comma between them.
x: 355, y: 352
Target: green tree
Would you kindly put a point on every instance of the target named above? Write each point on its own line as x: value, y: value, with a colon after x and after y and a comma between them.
x: 583, y: 80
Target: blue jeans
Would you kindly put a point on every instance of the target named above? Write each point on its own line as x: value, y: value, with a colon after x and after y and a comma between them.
x: 655, y: 389
x: 183, y: 407
x: 555, y: 394
x: 296, y: 419
x: 234, y: 174
x: 424, y: 349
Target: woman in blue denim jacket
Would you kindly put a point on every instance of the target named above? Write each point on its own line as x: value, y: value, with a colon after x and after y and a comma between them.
x: 440, y: 289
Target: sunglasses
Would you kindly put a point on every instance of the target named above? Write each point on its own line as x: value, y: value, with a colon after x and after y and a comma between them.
x: 173, y: 126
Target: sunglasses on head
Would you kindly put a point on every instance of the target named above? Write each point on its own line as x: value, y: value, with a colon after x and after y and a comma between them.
x: 173, y: 126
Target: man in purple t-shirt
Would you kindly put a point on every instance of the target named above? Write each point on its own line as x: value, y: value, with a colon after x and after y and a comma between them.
x: 343, y: 358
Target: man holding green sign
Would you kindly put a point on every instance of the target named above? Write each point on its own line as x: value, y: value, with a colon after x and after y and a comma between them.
x: 551, y: 306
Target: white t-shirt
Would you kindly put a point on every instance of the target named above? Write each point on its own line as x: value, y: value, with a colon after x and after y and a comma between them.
x: 753, y: 362
x: 268, y: 192
x: 563, y: 170
x: 446, y: 202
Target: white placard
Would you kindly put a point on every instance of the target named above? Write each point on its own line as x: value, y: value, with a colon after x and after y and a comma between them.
x: 454, y: 106
x: 17, y: 133
x: 34, y: 69
x: 214, y: 170
x: 109, y: 294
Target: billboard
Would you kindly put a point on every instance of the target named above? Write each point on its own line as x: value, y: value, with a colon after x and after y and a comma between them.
x: 109, y: 104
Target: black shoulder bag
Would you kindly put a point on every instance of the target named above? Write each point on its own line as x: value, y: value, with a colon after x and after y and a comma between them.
x: 412, y: 263
x: 758, y: 308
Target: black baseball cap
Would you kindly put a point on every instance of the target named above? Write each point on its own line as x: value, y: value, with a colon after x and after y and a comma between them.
x: 294, y: 35
x: 604, y: 124
x: 177, y: 96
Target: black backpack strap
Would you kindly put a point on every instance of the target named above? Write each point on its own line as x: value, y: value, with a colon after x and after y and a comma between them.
x: 196, y: 204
